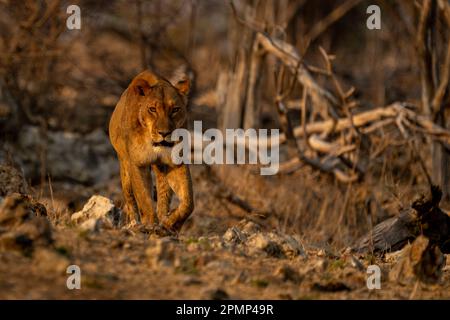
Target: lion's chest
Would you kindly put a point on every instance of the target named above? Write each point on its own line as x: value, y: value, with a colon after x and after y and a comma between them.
x: 144, y: 153
x: 162, y: 155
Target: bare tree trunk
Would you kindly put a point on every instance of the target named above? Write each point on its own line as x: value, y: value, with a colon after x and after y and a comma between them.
x: 441, y: 154
x: 441, y: 162
x: 434, y: 87
x: 233, y: 110
x: 252, y: 106
x: 140, y: 33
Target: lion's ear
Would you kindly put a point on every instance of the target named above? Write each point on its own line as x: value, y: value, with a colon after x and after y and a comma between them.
x: 183, y: 86
x: 141, y: 87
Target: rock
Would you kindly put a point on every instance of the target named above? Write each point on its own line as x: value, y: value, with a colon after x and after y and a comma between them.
x: 11, y: 181
x: 250, y: 227
x: 161, y: 253
x: 217, y: 242
x: 421, y: 261
x: 234, y: 236
x: 248, y: 235
x: 261, y: 242
x: 291, y: 247
x: 70, y: 156
x: 23, y: 226
x: 91, y: 225
x: 99, y: 212
x: 276, y: 245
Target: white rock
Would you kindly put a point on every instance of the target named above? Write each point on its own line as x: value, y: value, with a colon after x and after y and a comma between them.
x: 291, y: 247
x: 259, y: 241
x: 263, y: 243
x: 91, y: 225
x: 98, y: 212
x: 250, y: 228
x: 234, y: 235
x: 288, y: 245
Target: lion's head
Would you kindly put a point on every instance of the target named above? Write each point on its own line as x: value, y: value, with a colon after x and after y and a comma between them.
x: 162, y: 105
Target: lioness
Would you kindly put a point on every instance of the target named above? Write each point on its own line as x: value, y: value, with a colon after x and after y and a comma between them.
x: 140, y: 132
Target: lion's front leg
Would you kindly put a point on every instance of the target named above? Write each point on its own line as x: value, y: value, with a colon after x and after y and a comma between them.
x: 179, y: 179
x: 130, y: 205
x: 163, y: 190
x: 141, y: 181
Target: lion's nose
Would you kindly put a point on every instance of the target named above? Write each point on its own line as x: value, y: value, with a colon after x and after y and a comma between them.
x: 164, y: 133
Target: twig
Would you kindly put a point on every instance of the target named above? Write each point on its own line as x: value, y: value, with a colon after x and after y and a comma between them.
x: 330, y: 19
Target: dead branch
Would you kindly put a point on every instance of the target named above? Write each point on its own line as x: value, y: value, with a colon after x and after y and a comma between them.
x: 330, y: 19
x: 331, y: 148
x: 333, y: 143
x: 368, y: 121
x: 289, y: 56
x: 373, y: 117
x: 251, y: 105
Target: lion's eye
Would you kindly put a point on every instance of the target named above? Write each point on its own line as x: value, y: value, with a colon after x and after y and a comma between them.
x: 175, y: 110
x: 152, y: 109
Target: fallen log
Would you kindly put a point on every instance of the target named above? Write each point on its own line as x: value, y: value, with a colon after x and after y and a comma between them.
x: 423, y: 217
x: 390, y: 235
x: 374, y: 116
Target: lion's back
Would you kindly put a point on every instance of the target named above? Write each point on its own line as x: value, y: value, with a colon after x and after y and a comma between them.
x: 117, y: 123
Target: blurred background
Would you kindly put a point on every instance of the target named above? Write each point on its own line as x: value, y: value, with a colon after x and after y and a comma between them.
x: 59, y: 87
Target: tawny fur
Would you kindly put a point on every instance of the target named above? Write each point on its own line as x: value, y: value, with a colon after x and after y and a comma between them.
x: 140, y: 128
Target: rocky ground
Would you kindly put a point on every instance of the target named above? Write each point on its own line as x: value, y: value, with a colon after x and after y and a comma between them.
x: 239, y: 259
x: 244, y: 263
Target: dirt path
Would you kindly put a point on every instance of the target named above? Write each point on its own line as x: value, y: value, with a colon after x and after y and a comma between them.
x: 118, y: 264
x: 219, y: 255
